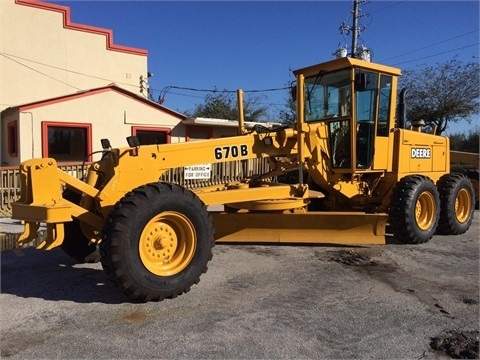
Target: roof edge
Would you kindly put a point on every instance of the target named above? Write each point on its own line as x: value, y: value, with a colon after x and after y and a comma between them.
x: 90, y: 92
x: 68, y: 24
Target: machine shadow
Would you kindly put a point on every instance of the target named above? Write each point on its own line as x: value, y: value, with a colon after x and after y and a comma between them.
x: 53, y: 276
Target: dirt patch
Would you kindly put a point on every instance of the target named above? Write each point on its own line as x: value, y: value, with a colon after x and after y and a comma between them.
x: 263, y: 250
x: 136, y: 316
x: 458, y: 345
x: 469, y: 301
x: 351, y: 258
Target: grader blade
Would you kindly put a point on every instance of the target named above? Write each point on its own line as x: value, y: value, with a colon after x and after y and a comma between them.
x: 311, y: 228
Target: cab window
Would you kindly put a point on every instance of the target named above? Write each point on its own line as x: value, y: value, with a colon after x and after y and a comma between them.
x: 327, y: 95
x: 384, y: 105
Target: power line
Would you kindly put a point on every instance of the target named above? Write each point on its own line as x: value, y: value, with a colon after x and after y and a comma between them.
x: 30, y: 68
x: 387, y: 7
x: 10, y: 56
x: 347, y: 28
x: 186, y: 95
x: 430, y: 45
x: 202, y: 97
x: 166, y: 89
x: 220, y: 91
x: 429, y: 56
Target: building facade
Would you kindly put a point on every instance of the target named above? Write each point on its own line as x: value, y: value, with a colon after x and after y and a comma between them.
x: 64, y: 86
x: 69, y: 128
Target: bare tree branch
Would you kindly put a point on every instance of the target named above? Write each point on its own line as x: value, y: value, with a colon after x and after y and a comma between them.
x: 443, y: 94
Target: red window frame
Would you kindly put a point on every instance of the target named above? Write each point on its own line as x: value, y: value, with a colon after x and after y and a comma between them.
x: 206, y: 129
x: 47, y: 124
x: 168, y: 131
x: 12, y: 138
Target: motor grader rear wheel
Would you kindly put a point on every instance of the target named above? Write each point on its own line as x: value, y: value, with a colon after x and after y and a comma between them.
x: 414, y: 210
x: 456, y: 204
x: 157, y: 242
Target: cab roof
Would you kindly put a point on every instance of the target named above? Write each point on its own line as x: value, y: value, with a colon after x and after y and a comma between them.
x: 346, y: 62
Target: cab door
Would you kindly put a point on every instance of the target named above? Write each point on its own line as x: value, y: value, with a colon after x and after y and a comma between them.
x: 372, y: 114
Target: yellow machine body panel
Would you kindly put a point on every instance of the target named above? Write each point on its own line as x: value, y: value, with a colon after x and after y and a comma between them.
x: 421, y: 153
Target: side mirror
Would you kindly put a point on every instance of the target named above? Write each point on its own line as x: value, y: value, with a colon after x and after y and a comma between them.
x: 106, y: 144
x: 133, y: 141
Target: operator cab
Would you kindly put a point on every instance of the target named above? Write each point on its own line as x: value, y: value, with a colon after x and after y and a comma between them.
x: 354, y: 99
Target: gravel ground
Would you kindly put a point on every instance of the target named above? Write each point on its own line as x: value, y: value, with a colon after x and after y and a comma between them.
x: 255, y: 302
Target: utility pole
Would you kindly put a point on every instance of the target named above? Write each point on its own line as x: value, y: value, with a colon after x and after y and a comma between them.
x: 355, y: 28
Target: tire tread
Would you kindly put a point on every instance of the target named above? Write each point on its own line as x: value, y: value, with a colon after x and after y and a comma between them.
x: 401, y: 220
x: 120, y: 219
x: 448, y: 186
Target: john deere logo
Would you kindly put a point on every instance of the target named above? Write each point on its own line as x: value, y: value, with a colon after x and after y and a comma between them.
x: 420, y: 153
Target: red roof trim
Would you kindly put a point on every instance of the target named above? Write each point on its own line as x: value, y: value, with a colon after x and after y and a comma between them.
x: 111, y: 87
x: 60, y: 99
x: 67, y: 24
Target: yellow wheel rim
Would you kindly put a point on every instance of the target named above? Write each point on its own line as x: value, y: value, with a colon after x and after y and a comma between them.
x: 463, y: 205
x: 425, y: 210
x: 167, y: 243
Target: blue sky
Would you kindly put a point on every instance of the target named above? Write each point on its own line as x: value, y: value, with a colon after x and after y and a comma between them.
x: 254, y: 45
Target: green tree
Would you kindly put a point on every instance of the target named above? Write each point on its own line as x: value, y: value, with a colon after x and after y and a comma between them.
x: 223, y: 105
x: 442, y: 94
x: 468, y: 142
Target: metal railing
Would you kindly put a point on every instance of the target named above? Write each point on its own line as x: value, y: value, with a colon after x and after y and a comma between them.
x: 10, y: 184
x: 220, y: 173
x: 9, y: 190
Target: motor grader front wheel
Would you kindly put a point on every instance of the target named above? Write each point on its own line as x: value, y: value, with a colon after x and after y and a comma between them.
x: 157, y: 242
x: 414, y: 210
x: 457, y: 202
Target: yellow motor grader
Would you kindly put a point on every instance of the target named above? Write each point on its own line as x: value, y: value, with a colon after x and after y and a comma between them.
x: 359, y: 171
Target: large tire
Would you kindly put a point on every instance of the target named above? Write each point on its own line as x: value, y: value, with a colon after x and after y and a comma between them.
x: 75, y: 244
x: 157, y: 242
x: 457, y: 202
x: 414, y: 210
